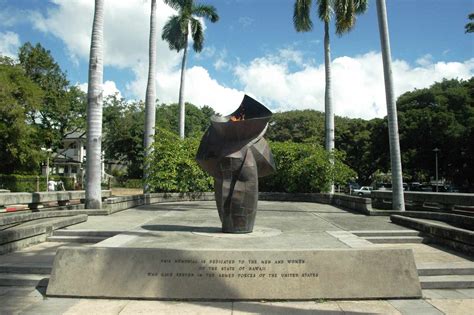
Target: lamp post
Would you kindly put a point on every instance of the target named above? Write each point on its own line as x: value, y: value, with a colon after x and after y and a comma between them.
x: 436, y: 150
x: 48, y: 151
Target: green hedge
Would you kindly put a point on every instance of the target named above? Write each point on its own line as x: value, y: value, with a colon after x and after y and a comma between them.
x: 173, y: 167
x: 301, y: 167
x: 29, y: 183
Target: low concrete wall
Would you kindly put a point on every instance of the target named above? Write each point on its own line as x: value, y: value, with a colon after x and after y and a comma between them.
x: 424, y: 200
x: 363, y: 205
x: 297, y: 197
x: 37, y: 200
x: 359, y: 204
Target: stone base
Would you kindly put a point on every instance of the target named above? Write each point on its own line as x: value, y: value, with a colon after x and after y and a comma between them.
x: 157, y: 273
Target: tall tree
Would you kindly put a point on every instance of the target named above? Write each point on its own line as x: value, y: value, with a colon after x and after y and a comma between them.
x: 62, y: 108
x: 398, y: 202
x: 150, y: 98
x: 345, y: 12
x: 19, y: 139
x: 176, y: 31
x: 123, y: 134
x: 94, y: 111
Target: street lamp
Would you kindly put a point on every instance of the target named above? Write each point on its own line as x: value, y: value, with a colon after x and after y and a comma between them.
x: 48, y: 151
x: 436, y: 150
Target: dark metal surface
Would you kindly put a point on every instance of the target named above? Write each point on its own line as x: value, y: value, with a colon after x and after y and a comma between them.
x: 236, y: 155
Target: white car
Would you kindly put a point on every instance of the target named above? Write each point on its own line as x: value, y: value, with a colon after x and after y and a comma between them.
x: 363, y: 191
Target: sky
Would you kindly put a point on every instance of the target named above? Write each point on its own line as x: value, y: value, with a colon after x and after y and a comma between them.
x: 253, y: 49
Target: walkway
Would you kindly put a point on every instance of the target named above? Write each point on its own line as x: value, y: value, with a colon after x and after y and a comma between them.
x: 294, y: 225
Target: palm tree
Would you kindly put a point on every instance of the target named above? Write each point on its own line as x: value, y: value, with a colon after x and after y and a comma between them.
x: 176, y: 31
x: 398, y: 203
x: 345, y: 12
x: 150, y: 97
x: 94, y: 111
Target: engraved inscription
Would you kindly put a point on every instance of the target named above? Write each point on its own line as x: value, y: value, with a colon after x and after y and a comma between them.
x: 229, y: 268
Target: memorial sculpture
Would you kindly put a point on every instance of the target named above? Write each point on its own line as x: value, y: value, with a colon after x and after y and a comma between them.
x: 234, y: 152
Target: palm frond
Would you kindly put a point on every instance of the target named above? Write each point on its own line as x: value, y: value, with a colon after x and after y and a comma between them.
x: 206, y: 11
x: 178, y: 5
x: 197, y: 34
x: 301, y: 15
x: 173, y: 34
x: 325, y: 9
x: 360, y: 6
x: 469, y: 27
x: 345, y: 15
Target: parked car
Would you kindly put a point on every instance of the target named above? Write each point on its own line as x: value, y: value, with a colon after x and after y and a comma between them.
x: 363, y: 191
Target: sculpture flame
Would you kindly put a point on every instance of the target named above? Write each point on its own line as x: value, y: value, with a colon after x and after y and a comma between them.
x: 234, y: 152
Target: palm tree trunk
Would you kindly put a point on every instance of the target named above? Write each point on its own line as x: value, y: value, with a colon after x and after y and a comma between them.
x: 328, y: 108
x: 181, y: 91
x: 94, y: 111
x: 150, y: 97
x: 398, y: 202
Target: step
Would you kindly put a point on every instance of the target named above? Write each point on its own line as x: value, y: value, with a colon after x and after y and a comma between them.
x: 75, y: 239
x: 23, y: 280
x: 394, y: 239
x: 447, y: 282
x: 363, y: 233
x: 439, y: 269
x: 438, y: 229
x: 70, y: 232
x: 26, y: 269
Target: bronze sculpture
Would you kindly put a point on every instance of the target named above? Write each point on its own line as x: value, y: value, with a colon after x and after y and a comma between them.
x: 234, y: 152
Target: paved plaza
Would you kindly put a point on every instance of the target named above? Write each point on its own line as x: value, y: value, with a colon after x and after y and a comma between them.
x: 279, y: 225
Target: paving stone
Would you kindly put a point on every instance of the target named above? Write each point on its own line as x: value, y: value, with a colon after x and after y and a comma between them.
x: 4, y: 290
x: 178, y: 308
x: 241, y: 308
x: 16, y: 304
x: 24, y: 291
x: 99, y: 307
x: 443, y: 294
x: 50, y: 306
x: 419, y: 307
x: 371, y: 307
x: 454, y: 307
x: 467, y: 292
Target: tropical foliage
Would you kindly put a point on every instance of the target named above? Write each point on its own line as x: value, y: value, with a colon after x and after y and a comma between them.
x: 173, y: 167
x: 304, y: 167
x: 20, y: 99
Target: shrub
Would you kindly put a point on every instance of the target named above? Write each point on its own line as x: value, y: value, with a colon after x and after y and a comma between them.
x: 173, y: 167
x: 303, y: 167
x: 29, y: 183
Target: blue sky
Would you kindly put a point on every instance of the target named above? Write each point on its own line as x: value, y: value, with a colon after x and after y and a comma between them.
x: 253, y: 49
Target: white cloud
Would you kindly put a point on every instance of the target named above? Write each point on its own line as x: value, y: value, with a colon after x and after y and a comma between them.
x: 284, y: 80
x: 200, y: 89
x: 357, y: 82
x: 109, y: 88
x: 126, y: 30
x: 425, y: 60
x: 9, y: 44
